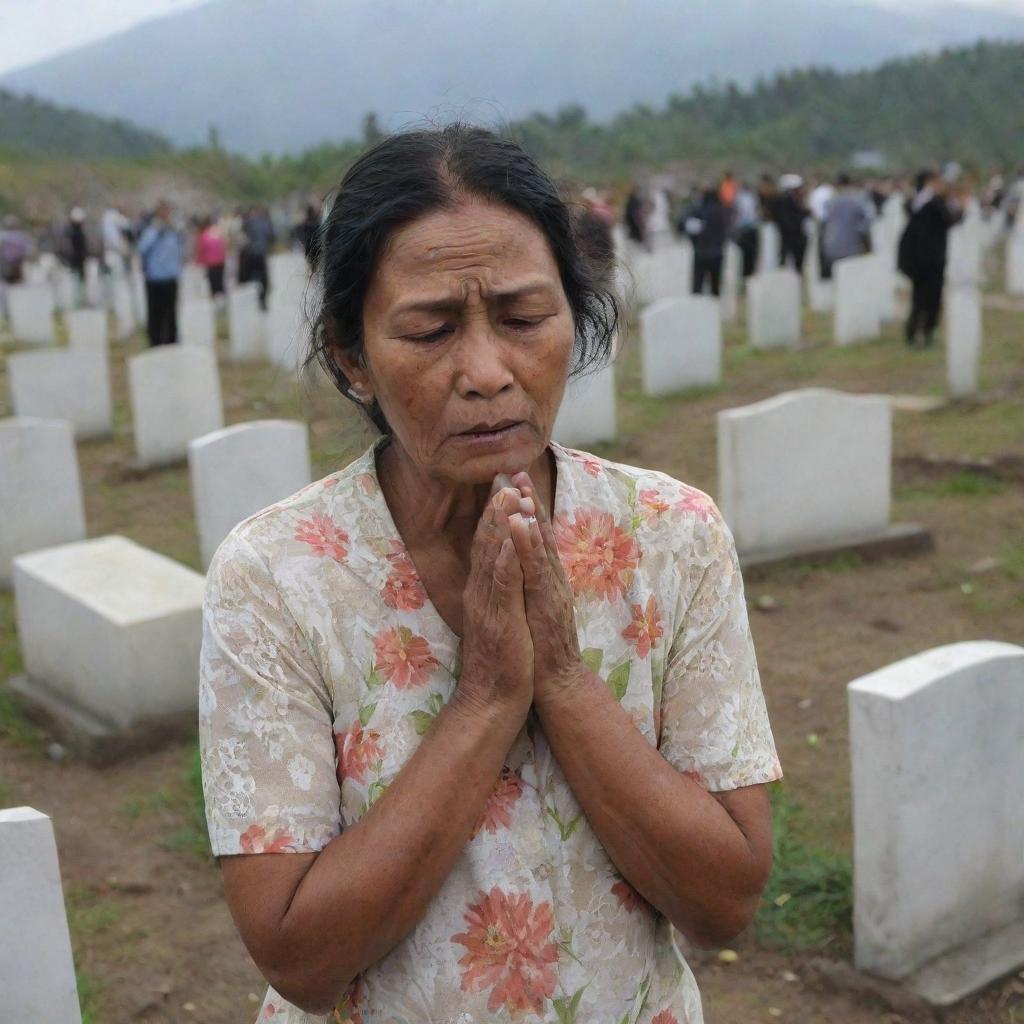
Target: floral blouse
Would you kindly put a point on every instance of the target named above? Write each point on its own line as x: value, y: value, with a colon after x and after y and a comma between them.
x: 324, y: 663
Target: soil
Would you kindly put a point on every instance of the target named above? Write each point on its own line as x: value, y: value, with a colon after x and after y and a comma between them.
x: 153, y: 940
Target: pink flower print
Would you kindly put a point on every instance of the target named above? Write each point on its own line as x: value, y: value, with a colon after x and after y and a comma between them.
x: 692, y: 500
x: 256, y: 839
x: 591, y: 466
x: 510, y: 950
x: 323, y: 535
x: 629, y: 899
x: 497, y: 812
x: 652, y: 503
x: 403, y: 590
x: 665, y: 1018
x: 404, y: 657
x: 645, y: 629
x: 599, y: 557
x: 357, y: 750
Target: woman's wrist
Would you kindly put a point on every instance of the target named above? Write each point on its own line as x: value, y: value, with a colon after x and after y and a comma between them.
x: 555, y: 688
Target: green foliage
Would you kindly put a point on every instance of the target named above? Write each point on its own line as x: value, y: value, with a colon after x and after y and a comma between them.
x: 87, y: 996
x: 809, y: 897
x: 33, y: 126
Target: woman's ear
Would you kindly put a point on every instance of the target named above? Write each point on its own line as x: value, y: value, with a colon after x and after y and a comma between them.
x: 355, y: 372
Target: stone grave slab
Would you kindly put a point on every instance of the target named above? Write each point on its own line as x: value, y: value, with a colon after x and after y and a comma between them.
x: 175, y: 397
x: 37, y: 970
x: 30, y: 310
x: 681, y: 344
x: 587, y: 415
x: 64, y: 383
x: 937, y: 754
x: 857, y: 315
x: 809, y: 471
x: 773, y: 309
x: 197, y: 323
x: 40, y: 488
x: 110, y: 634
x: 240, y: 470
x: 963, y: 340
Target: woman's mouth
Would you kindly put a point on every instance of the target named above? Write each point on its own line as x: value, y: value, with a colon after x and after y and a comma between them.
x: 483, y: 433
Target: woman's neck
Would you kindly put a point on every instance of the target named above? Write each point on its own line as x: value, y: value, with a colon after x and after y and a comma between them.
x: 426, y: 508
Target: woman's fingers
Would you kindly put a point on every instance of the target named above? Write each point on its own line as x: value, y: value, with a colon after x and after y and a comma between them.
x: 525, y: 485
x: 529, y: 546
x: 507, y: 578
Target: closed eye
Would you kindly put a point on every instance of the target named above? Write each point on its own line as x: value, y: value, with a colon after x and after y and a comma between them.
x: 437, y: 335
x: 520, y: 323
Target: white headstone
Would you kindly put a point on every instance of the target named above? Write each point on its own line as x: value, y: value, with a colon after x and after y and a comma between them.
x: 35, y: 272
x: 242, y: 469
x: 805, y: 468
x: 65, y: 288
x: 857, y: 315
x: 93, y: 282
x: 964, y: 260
x: 137, y: 286
x: 40, y: 489
x: 111, y: 628
x: 37, y: 971
x: 193, y: 283
x: 587, y: 414
x: 64, y: 383
x: 820, y: 294
x: 86, y: 327
x: 963, y: 340
x: 246, y: 324
x: 197, y: 323
x: 681, y: 344
x: 773, y: 309
x: 732, y: 267
x: 286, y: 271
x: 123, y: 307
x: 665, y: 273
x: 30, y: 308
x: 937, y: 751
x: 769, y: 247
x: 175, y: 397
x: 1015, y: 262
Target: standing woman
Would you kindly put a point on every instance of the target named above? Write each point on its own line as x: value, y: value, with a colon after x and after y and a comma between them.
x: 211, y: 252
x: 480, y: 715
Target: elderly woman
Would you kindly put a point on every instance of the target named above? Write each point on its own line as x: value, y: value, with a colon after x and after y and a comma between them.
x: 481, y: 720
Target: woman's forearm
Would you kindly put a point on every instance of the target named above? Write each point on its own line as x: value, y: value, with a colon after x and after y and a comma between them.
x: 370, y: 886
x: 670, y: 838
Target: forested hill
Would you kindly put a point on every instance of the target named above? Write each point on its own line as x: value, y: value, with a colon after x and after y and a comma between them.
x: 29, y: 126
x: 965, y: 104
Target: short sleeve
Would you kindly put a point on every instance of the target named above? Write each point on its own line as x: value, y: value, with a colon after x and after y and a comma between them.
x: 714, y: 722
x: 265, y: 717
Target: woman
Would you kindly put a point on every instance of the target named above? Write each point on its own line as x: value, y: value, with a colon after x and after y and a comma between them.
x: 211, y: 251
x: 491, y: 702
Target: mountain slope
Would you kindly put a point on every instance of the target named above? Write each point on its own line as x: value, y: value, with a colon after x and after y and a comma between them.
x: 278, y: 75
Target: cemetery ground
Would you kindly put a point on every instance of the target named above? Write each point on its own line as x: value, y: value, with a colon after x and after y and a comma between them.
x: 152, y: 937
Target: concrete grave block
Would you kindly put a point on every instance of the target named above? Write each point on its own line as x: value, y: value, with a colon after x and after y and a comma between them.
x: 963, y: 340
x: 66, y: 287
x: 37, y: 970
x: 193, y: 283
x: 86, y: 327
x: 246, y: 324
x: 93, y: 282
x: 805, y: 469
x: 773, y: 309
x: 242, y: 469
x: 732, y: 270
x: 70, y: 384
x: 587, y: 415
x: 1015, y: 261
x: 30, y: 308
x: 175, y: 397
x: 769, y: 248
x: 123, y: 307
x: 937, y: 753
x: 110, y: 633
x: 40, y: 488
x: 666, y: 273
x: 857, y: 315
x: 197, y: 323
x: 681, y: 344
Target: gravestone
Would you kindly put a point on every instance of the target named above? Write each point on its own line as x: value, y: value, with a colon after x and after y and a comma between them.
x: 69, y: 384
x: 110, y: 634
x: 35, y: 272
x: 37, y: 970
x: 242, y: 469
x: 963, y: 340
x: 820, y: 293
x: 93, y: 282
x: 123, y: 308
x: 732, y: 268
x: 587, y: 414
x: 809, y: 471
x: 246, y: 324
x: 193, y: 283
x: 40, y: 488
x: 30, y: 310
x: 964, y: 262
x: 769, y: 247
x: 857, y: 315
x: 65, y: 289
x: 86, y: 327
x: 666, y: 273
x: 137, y: 286
x: 175, y: 397
x: 197, y: 323
x: 1015, y: 262
x: 937, y: 752
x: 681, y: 344
x: 773, y: 309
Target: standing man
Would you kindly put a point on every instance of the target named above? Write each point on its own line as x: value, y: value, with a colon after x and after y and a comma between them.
x: 163, y: 253
x: 846, y: 230
x: 791, y: 218
x: 745, y: 221
x: 116, y: 231
x: 922, y: 253
x: 706, y: 225
x: 257, y: 241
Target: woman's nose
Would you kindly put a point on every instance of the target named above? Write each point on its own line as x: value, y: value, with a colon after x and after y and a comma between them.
x: 483, y: 370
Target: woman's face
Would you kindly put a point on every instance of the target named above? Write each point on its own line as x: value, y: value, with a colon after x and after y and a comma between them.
x: 467, y: 340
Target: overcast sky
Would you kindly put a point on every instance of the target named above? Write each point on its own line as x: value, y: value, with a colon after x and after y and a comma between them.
x: 31, y: 30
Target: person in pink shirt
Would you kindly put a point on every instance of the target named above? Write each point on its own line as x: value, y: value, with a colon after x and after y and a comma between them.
x: 210, y: 252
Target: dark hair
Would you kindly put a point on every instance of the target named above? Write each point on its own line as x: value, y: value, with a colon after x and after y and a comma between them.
x: 413, y: 173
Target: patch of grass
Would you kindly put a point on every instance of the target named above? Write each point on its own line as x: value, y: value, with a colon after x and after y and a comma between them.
x: 191, y: 836
x: 1015, y: 560
x: 90, y: 913
x: 809, y: 898
x: 972, y: 483
x: 136, y: 807
x: 88, y: 996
